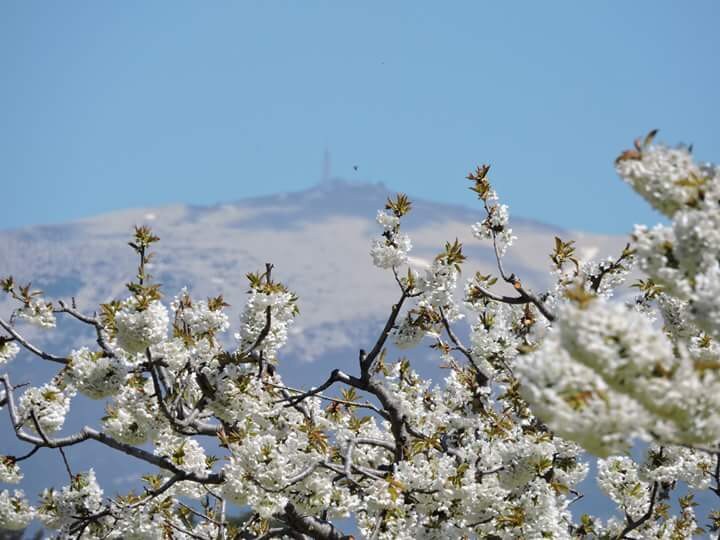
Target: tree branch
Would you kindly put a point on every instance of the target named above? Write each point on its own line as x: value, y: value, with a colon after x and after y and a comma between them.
x: 313, y: 527
x: 100, y: 337
x: 90, y: 433
x: 30, y: 347
x: 634, y: 524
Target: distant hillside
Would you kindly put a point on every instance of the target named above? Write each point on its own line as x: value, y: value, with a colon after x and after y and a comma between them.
x: 318, y: 240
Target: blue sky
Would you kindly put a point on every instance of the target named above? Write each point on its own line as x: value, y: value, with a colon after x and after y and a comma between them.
x: 109, y: 105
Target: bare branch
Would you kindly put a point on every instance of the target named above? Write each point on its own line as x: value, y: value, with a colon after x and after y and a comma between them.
x: 30, y: 347
x: 482, y: 378
x: 365, y: 405
x: 348, y: 461
x: 314, y: 527
x: 99, y: 330
x: 90, y: 433
x: 335, y: 376
x: 634, y: 524
x: 525, y: 297
x: 40, y: 430
x: 366, y: 361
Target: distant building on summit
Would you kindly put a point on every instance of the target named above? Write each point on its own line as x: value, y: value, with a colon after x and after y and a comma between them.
x: 326, y: 170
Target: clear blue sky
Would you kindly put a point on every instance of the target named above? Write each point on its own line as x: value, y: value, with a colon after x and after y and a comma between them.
x: 108, y: 105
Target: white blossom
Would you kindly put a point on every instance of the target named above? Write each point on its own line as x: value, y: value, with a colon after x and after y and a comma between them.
x: 495, y: 450
x: 253, y: 320
x: 391, y: 252
x: 388, y: 221
x: 662, y: 177
x: 15, y: 512
x: 82, y: 497
x: 198, y: 317
x: 619, y: 478
x: 95, y: 374
x: 38, y: 312
x: 50, y: 403
x: 495, y: 226
x: 134, y: 416
x: 8, y: 351
x: 139, y: 328
x: 10, y: 473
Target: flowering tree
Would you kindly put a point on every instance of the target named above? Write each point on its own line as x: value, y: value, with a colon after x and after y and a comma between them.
x: 494, y: 451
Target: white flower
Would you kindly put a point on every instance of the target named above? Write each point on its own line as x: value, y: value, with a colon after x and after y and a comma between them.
x: 197, y: 316
x: 618, y: 477
x: 83, y: 497
x: 283, y: 308
x: 144, y: 523
x: 188, y: 455
x: 663, y: 176
x: 408, y: 335
x: 50, y: 403
x: 134, y: 416
x: 10, y: 473
x: 576, y: 403
x: 704, y: 304
x: 392, y: 252
x: 15, y: 512
x: 95, y: 374
x: 138, y: 329
x: 675, y: 463
x: 38, y: 312
x: 496, y: 225
x: 8, y: 351
x: 656, y: 257
x: 389, y: 222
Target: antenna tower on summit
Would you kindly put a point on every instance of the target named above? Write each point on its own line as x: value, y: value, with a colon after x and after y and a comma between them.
x: 326, y: 172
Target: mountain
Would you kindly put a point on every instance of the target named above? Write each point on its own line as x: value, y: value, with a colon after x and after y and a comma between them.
x: 318, y: 240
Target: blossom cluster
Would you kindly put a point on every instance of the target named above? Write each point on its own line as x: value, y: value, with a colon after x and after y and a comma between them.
x: 15, y: 511
x: 96, y: 374
x: 139, y: 327
x: 45, y: 408
x: 495, y: 226
x: 37, y: 312
x: 8, y: 351
x: 391, y: 250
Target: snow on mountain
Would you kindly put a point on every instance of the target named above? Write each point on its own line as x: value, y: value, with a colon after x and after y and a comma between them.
x: 317, y: 239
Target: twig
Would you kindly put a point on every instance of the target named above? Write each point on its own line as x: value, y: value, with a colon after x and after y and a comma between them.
x: 315, y: 528
x: 99, y: 329
x: 26, y: 456
x: 482, y: 378
x: 366, y: 361
x: 634, y: 524
x: 30, y: 347
x: 198, y: 514
x: 40, y: 430
x: 348, y: 461
x: 90, y: 433
x: 525, y: 295
x: 328, y: 398
x: 596, y: 281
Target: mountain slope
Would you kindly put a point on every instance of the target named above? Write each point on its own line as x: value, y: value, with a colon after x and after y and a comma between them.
x: 317, y: 239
